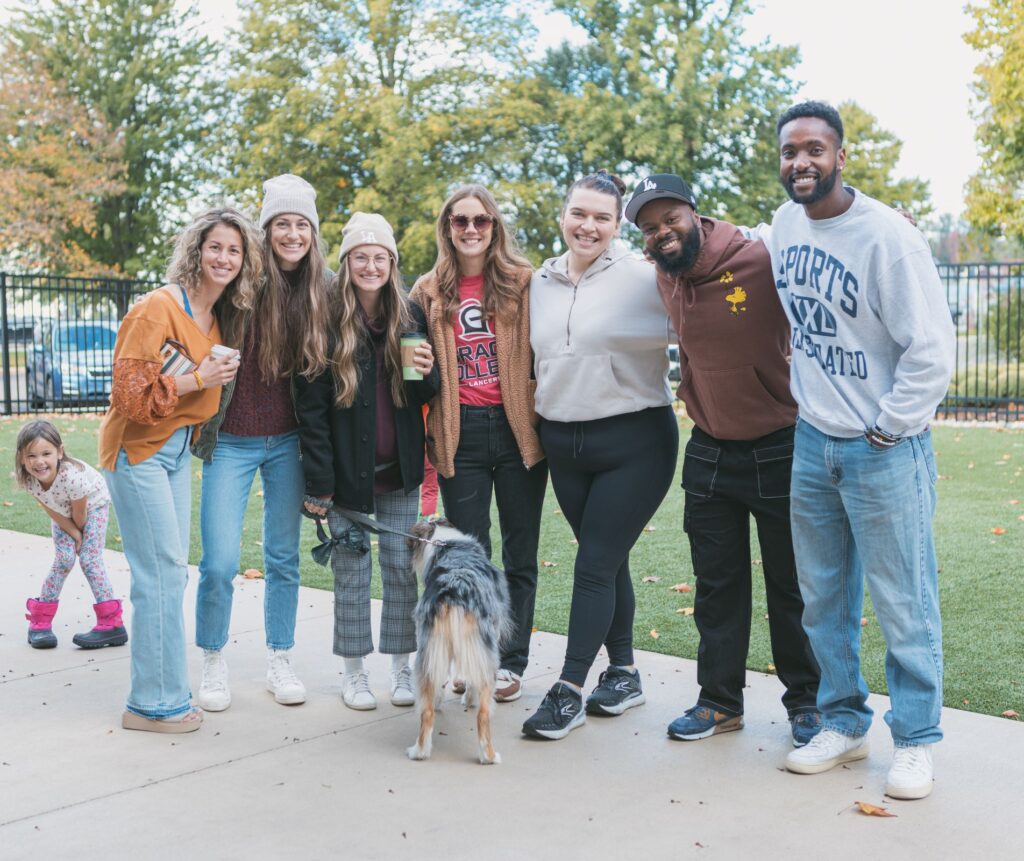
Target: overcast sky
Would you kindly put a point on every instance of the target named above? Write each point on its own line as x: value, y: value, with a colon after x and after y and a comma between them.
x: 905, y: 61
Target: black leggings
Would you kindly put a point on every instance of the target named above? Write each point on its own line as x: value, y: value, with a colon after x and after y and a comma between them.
x: 609, y: 476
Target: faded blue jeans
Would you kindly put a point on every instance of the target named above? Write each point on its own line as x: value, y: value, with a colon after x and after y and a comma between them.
x: 227, y: 480
x: 860, y: 513
x: 153, y: 501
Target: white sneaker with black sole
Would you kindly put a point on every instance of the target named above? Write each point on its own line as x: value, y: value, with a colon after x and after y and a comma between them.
x: 560, y: 712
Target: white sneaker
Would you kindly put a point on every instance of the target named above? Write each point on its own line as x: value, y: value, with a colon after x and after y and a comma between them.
x: 401, y: 687
x: 912, y: 773
x: 355, y: 691
x: 214, y: 694
x: 826, y: 750
x: 282, y: 681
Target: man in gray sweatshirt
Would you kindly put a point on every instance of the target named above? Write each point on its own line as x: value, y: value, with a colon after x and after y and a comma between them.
x: 873, y: 347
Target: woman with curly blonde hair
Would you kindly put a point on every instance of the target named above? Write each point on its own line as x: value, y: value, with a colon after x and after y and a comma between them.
x: 255, y: 430
x: 173, y: 354
x: 481, y: 429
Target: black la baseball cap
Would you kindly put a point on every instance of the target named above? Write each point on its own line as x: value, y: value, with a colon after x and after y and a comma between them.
x: 655, y: 186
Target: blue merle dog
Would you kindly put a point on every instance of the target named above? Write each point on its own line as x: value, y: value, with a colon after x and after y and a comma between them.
x: 461, y: 619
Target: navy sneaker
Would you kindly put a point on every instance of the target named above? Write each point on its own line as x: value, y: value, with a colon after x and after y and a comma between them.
x: 616, y: 691
x: 560, y: 712
x: 701, y: 722
x: 804, y: 726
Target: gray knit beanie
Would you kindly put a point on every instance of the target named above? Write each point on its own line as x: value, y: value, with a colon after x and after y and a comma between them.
x: 289, y: 193
x: 367, y: 228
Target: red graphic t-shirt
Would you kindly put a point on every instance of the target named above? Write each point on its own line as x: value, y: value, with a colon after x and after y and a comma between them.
x: 475, y: 347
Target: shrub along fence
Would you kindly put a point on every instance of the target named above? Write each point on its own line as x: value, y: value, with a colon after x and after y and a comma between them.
x: 58, y: 336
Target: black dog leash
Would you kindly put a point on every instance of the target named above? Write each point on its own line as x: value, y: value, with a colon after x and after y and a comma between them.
x: 353, y: 537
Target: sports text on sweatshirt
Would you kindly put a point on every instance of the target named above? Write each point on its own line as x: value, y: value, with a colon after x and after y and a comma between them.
x: 600, y: 346
x: 873, y: 339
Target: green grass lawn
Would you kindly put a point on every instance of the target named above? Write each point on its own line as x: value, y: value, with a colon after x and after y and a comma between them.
x: 981, y: 581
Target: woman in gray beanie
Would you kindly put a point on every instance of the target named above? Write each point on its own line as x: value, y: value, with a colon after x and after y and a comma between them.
x: 361, y: 426
x: 255, y: 429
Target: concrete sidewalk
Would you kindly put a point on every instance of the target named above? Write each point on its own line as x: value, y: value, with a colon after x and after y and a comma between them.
x: 263, y: 781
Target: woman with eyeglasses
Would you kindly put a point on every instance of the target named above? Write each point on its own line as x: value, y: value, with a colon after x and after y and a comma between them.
x: 481, y: 429
x: 361, y: 427
x: 599, y: 334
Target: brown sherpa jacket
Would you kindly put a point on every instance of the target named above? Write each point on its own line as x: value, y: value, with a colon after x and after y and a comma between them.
x: 515, y: 369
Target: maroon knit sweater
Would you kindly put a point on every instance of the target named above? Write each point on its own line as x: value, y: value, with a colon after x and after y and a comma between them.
x: 258, y: 407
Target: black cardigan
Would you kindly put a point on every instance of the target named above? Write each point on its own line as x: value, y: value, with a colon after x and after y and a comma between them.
x: 338, y: 445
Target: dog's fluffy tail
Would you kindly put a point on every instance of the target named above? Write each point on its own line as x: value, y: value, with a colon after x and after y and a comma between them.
x: 456, y: 639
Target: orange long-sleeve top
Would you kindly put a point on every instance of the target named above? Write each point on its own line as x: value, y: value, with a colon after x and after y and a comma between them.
x: 145, y: 408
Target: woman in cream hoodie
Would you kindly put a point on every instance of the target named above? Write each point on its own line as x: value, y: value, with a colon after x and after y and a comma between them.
x: 600, y: 334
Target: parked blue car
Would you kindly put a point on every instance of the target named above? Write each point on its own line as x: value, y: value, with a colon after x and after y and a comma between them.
x: 69, y: 363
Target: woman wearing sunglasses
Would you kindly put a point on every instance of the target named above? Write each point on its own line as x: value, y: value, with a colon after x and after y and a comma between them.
x: 481, y: 429
x: 600, y: 334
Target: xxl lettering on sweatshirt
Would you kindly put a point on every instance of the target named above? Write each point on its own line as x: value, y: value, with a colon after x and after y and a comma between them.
x: 817, y: 270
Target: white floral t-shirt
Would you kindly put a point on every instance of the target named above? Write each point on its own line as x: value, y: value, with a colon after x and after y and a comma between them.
x: 73, y: 481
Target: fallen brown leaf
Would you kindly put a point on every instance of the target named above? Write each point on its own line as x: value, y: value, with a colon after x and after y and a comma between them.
x: 650, y: 529
x: 872, y: 809
x: 771, y: 668
x: 259, y: 493
x: 547, y: 564
x: 8, y: 504
x: 252, y: 573
x: 757, y: 562
x: 1014, y: 502
x: 650, y: 579
x: 685, y: 611
x: 998, y: 530
x: 680, y: 587
x: 1010, y: 713
x: 863, y: 621
x: 654, y: 634
x: 558, y: 512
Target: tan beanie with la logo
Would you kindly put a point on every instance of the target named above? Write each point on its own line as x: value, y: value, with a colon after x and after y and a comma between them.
x: 367, y: 228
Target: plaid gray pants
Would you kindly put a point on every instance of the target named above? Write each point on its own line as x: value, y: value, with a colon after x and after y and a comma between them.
x: 352, y: 570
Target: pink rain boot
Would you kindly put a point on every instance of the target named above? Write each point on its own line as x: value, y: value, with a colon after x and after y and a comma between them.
x: 40, y: 621
x: 109, y: 630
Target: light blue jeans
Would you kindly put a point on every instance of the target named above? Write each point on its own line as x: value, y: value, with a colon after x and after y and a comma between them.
x: 153, y: 501
x: 864, y: 513
x: 227, y: 480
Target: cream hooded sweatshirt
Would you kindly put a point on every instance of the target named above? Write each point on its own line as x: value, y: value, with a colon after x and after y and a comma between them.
x: 599, y: 346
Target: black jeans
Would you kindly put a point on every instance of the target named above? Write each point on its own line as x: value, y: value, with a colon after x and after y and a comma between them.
x: 609, y: 475
x: 727, y: 481
x: 488, y: 460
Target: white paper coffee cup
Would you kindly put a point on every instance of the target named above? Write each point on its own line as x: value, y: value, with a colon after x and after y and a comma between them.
x: 219, y: 351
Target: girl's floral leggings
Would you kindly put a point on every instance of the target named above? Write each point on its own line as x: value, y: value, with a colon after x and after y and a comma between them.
x: 90, y: 557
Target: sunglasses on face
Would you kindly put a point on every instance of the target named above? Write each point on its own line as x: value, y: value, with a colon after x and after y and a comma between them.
x: 479, y: 222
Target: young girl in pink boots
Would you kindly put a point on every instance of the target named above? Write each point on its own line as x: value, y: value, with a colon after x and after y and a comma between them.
x: 75, y: 496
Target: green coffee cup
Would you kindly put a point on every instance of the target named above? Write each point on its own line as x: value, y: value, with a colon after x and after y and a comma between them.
x: 410, y: 341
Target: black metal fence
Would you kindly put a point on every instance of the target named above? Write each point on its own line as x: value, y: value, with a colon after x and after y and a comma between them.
x: 58, y: 340
x: 985, y: 300
x: 58, y: 336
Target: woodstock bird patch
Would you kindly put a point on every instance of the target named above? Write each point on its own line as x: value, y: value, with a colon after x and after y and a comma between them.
x: 736, y: 297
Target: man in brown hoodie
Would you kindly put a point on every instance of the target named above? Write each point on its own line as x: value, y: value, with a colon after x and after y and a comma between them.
x: 718, y: 287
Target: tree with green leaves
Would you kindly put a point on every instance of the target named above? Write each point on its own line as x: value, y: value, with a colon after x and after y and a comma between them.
x: 383, y: 105
x: 56, y: 159
x: 671, y: 87
x: 143, y: 67
x: 995, y: 195
x: 871, y: 157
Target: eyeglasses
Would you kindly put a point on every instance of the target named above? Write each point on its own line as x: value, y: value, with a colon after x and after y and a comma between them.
x: 381, y: 261
x: 480, y: 222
